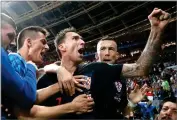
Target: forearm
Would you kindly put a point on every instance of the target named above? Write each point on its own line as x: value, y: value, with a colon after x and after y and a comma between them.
x: 151, y: 51
x: 51, y: 112
x: 43, y: 94
x: 147, y: 58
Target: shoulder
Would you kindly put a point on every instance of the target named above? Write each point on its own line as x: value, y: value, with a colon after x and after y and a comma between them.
x: 18, y: 63
x: 16, y: 58
x: 14, y: 55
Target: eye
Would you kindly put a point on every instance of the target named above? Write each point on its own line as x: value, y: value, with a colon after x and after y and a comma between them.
x: 44, y: 42
x: 111, y: 48
x: 11, y: 36
x: 164, y: 109
x: 102, y: 48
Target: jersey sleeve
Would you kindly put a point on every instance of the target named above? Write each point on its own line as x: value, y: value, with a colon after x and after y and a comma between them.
x: 116, y: 70
x: 18, y: 63
x: 22, y: 90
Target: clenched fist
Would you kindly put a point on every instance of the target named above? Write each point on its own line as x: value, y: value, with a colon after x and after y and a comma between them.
x: 159, y: 19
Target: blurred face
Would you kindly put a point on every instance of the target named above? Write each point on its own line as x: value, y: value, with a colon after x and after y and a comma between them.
x: 38, y: 48
x: 168, y: 111
x: 107, y: 51
x: 72, y: 47
x: 8, y: 35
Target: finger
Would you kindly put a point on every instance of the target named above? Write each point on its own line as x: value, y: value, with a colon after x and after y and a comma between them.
x: 136, y: 87
x: 145, y: 90
x: 72, y: 87
x: 90, y: 110
x: 60, y: 87
x: 143, y: 87
x: 69, y: 88
x: 65, y: 88
x: 166, y: 16
x: 91, y: 103
x: 79, y: 76
x: 81, y: 86
x: 90, y: 99
x: 80, y: 80
x: 78, y: 89
x: 161, y: 17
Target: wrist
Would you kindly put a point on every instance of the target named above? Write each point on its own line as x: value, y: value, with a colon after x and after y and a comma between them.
x: 73, y: 108
x: 51, y: 68
x: 157, y: 29
x: 131, y: 104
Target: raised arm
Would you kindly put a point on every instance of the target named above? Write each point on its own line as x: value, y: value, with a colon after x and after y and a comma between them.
x: 22, y: 90
x: 158, y: 20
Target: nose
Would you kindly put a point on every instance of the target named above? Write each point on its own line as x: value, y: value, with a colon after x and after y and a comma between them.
x: 107, y: 52
x: 82, y: 43
x: 46, y: 47
x: 169, y: 112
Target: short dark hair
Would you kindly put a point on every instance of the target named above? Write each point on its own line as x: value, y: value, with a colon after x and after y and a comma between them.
x: 5, y: 19
x: 167, y: 99
x: 60, y: 38
x: 107, y: 38
x: 26, y: 31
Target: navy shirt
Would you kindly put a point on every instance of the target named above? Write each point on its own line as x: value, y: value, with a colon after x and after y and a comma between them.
x: 107, y: 90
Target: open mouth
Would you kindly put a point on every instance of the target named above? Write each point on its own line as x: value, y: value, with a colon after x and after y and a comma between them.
x: 166, y: 118
x: 42, y: 55
x: 81, y: 51
x: 106, y: 60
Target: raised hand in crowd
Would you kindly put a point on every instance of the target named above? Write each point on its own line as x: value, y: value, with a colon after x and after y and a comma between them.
x: 138, y: 94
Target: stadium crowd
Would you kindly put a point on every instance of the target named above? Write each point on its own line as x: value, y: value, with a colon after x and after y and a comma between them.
x: 71, y: 90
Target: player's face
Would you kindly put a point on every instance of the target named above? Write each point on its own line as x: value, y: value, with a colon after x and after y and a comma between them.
x: 107, y: 51
x: 74, y: 46
x: 8, y: 35
x: 168, y: 111
x: 38, y: 48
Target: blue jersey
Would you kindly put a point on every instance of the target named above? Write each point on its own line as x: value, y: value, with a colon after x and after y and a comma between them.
x: 19, y: 90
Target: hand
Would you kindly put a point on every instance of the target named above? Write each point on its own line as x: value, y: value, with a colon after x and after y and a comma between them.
x: 83, y: 104
x: 65, y: 81
x: 51, y: 68
x: 159, y: 18
x: 80, y: 82
x: 137, y: 94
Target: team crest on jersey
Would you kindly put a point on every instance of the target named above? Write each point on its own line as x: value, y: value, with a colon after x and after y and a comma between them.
x: 118, y: 86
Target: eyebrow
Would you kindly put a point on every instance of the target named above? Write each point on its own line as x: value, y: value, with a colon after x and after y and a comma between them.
x: 169, y: 107
x: 78, y: 36
x: 107, y: 47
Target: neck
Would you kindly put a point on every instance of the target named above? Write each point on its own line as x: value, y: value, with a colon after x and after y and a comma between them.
x: 23, y: 53
x: 68, y: 64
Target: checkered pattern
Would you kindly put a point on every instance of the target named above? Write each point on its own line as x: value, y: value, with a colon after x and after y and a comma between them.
x: 18, y: 63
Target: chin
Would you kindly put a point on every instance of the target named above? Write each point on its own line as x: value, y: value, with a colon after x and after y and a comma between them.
x: 79, y: 61
x: 38, y: 62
